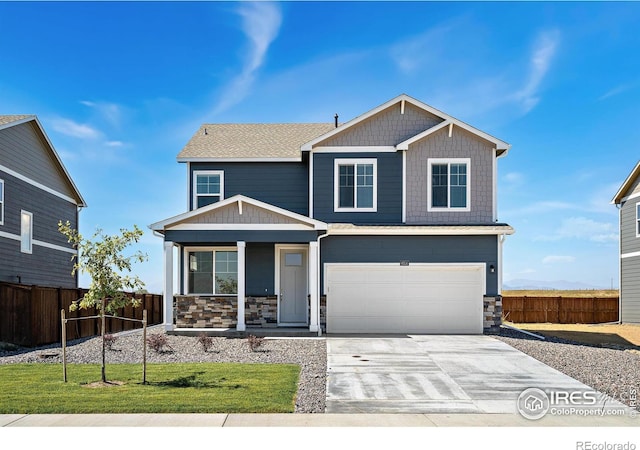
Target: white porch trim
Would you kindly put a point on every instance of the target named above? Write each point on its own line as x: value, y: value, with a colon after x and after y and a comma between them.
x: 168, y: 286
x: 242, y: 245
x: 314, y: 301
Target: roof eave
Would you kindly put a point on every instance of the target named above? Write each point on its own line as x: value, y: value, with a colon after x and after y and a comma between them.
x: 617, y: 199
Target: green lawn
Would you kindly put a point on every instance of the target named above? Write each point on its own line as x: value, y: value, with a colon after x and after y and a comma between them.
x: 170, y: 388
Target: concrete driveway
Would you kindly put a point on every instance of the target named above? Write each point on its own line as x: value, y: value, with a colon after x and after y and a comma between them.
x: 432, y: 374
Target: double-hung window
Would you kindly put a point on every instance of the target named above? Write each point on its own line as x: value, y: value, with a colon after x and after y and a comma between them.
x: 355, y: 185
x: 212, y: 271
x: 208, y: 187
x: 449, y: 184
x: 1, y: 202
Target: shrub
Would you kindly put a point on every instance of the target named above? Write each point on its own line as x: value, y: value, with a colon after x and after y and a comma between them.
x: 158, y: 342
x: 109, y: 340
x: 255, y: 342
x: 205, y: 341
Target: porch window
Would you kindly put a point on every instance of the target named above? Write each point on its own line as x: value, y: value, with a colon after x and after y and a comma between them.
x: 208, y: 187
x: 355, y: 185
x: 213, y: 272
x: 449, y: 187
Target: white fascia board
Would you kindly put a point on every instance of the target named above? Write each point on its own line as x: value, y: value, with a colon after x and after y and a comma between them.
x: 167, y: 223
x: 405, y: 144
x: 62, y: 166
x: 205, y: 160
x: 356, y: 149
x: 17, y: 122
x: 625, y: 185
x: 420, y: 231
x: 241, y: 226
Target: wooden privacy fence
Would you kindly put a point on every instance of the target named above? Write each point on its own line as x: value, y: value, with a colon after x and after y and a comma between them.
x: 30, y: 315
x: 560, y: 309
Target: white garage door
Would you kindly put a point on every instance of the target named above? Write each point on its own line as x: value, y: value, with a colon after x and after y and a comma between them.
x: 419, y: 298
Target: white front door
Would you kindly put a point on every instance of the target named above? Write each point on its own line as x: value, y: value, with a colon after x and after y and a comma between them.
x: 293, y: 309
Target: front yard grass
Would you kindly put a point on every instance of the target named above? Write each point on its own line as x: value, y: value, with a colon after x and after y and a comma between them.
x: 170, y: 388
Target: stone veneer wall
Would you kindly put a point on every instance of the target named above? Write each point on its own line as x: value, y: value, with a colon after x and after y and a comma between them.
x: 492, y: 315
x: 222, y: 312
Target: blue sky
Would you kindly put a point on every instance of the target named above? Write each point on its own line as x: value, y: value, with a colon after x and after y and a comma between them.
x: 120, y: 87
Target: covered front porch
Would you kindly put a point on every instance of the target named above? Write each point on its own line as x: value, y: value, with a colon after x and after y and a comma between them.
x: 243, y: 267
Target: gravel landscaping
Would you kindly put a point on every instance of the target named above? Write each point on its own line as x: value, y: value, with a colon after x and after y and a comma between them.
x: 614, y: 371
x: 310, y: 354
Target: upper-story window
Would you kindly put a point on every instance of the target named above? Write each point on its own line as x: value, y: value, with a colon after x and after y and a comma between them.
x: 449, y: 186
x: 26, y: 232
x: 1, y: 202
x: 355, y: 185
x: 208, y: 187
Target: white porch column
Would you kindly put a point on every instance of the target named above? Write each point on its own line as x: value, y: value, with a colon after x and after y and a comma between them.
x: 168, y: 286
x: 241, y: 284
x: 314, y: 307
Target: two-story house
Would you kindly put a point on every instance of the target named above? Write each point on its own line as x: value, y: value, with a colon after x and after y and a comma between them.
x: 386, y: 223
x: 627, y: 199
x: 36, y: 192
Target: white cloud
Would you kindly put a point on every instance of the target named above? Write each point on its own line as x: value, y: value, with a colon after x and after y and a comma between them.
x: 552, y: 259
x: 583, y: 228
x: 110, y: 112
x: 539, y: 65
x: 114, y: 143
x: 260, y: 23
x: 617, y: 91
x: 514, y: 178
x: 74, y: 129
x: 538, y: 208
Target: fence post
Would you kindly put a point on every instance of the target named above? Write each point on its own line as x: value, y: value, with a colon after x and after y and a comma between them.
x: 64, y: 345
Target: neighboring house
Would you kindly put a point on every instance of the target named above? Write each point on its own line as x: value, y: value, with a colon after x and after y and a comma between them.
x: 627, y: 199
x: 386, y: 223
x: 36, y: 192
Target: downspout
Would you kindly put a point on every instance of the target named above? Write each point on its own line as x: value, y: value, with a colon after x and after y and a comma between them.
x: 619, y: 206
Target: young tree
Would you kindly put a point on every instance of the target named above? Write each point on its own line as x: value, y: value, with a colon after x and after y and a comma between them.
x: 103, y: 260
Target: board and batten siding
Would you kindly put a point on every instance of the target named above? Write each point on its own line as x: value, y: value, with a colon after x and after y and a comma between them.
x: 414, y: 249
x: 461, y: 144
x: 389, y: 189
x: 282, y: 184
x: 23, y: 150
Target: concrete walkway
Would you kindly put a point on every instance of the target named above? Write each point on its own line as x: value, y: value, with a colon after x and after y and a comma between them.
x: 306, y: 420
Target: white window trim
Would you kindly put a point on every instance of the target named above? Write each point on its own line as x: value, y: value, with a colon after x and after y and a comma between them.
x: 448, y: 161
x: 185, y: 281
x: 637, y: 219
x: 28, y: 250
x: 195, y: 195
x: 1, y: 202
x: 336, y: 183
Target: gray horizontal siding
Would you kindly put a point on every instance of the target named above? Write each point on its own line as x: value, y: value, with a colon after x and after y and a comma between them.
x: 47, y: 210
x: 207, y: 237
x: 628, y: 241
x: 44, y: 267
x: 417, y: 249
x: 23, y: 150
x: 282, y: 184
x: 630, y: 289
x: 389, y: 187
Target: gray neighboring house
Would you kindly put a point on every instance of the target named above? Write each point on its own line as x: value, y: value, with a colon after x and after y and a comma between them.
x: 36, y: 192
x: 627, y: 199
x: 384, y: 224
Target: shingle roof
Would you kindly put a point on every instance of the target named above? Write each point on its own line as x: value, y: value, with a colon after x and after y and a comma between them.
x: 260, y: 140
x: 6, y: 119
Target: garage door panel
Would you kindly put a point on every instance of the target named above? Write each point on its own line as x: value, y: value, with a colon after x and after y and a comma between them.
x: 382, y: 298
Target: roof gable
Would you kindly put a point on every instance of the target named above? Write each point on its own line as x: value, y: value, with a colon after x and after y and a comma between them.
x: 628, y: 186
x: 37, y: 138
x: 239, y: 212
x: 401, y: 103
